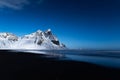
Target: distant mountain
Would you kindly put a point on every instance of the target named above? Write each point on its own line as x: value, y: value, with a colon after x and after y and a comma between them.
x: 36, y: 40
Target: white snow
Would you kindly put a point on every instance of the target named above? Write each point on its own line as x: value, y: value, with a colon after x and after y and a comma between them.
x: 37, y: 40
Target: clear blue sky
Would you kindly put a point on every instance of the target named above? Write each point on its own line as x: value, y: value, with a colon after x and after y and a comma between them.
x: 77, y: 23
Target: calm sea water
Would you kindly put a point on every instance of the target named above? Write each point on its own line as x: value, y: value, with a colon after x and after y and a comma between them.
x: 102, y: 58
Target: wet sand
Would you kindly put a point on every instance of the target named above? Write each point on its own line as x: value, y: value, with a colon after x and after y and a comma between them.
x: 27, y: 66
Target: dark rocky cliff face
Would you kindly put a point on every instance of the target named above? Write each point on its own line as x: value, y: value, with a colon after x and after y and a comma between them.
x: 56, y: 42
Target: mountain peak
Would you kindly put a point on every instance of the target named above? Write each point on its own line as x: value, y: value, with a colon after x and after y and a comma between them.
x: 36, y: 40
x: 49, y: 30
x: 39, y: 31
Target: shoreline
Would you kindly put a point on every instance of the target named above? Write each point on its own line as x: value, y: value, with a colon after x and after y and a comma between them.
x: 27, y: 66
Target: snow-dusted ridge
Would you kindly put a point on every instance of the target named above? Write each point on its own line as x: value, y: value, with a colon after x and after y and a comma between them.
x: 35, y: 41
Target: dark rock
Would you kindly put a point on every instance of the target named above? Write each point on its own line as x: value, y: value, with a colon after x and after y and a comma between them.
x: 56, y: 42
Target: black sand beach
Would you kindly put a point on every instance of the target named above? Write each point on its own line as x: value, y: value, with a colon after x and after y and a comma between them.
x: 27, y: 66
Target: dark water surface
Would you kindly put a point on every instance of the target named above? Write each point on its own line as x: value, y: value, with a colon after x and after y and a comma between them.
x: 102, y: 58
x: 59, y: 65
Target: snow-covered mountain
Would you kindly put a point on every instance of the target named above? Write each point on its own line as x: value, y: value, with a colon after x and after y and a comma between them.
x: 36, y: 40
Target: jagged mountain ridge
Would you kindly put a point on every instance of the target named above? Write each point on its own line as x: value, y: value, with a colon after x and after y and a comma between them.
x: 36, y: 40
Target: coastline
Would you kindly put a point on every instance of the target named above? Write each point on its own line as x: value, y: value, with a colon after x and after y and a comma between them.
x: 27, y: 66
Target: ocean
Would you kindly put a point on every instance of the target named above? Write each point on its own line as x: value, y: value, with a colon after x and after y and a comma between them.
x: 59, y: 64
x: 100, y: 57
